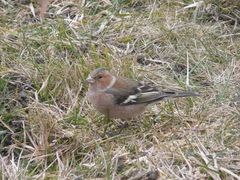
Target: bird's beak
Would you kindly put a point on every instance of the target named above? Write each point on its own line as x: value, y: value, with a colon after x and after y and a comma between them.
x: 90, y: 80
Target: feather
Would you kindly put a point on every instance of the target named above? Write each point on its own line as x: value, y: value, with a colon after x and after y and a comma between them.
x: 143, y: 94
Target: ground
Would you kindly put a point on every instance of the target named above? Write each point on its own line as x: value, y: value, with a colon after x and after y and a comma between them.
x: 48, y: 130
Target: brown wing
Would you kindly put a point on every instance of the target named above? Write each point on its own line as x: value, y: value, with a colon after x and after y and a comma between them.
x: 131, y: 92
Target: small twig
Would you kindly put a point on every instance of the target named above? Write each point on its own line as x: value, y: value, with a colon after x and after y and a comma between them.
x: 4, y: 124
x: 187, y: 78
x: 229, y: 172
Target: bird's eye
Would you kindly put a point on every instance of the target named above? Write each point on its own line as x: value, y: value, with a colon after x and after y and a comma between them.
x: 99, y: 77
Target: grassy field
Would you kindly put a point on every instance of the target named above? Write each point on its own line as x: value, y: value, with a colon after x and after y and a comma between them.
x: 48, y: 130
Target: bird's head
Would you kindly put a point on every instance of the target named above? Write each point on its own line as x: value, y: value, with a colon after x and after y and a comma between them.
x: 101, y: 79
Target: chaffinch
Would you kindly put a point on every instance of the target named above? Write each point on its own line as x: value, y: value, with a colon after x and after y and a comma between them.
x: 119, y: 97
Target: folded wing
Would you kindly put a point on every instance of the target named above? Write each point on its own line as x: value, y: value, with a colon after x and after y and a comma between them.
x: 143, y: 94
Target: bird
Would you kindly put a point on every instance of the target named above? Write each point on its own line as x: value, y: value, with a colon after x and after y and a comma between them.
x: 123, y: 98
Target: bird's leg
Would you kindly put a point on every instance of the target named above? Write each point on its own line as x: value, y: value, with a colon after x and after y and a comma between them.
x: 119, y: 127
x: 122, y: 125
x: 107, y: 122
x: 107, y: 119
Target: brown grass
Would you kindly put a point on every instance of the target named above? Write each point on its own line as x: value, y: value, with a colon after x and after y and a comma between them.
x: 48, y: 130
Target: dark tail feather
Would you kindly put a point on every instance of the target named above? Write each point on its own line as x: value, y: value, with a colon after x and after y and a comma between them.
x: 179, y: 94
x: 172, y: 94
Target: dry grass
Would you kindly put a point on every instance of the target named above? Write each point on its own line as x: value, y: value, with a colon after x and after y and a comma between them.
x: 49, y: 131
